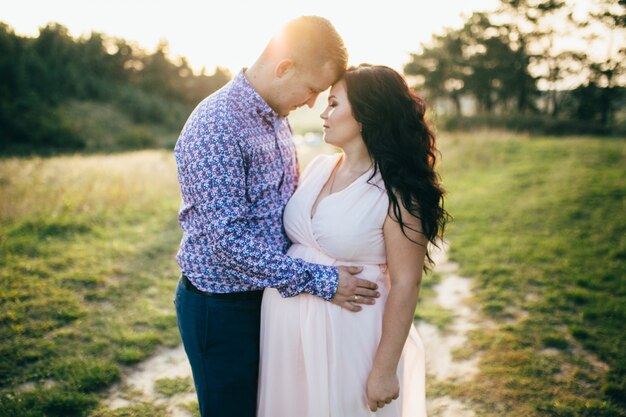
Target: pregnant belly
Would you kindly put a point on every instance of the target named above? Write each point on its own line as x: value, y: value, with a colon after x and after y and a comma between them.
x: 371, y: 272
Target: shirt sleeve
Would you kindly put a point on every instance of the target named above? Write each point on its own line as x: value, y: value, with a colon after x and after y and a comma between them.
x: 215, y: 182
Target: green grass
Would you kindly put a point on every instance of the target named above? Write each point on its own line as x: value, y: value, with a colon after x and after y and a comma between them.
x: 427, y: 308
x: 135, y: 410
x: 192, y: 408
x: 105, y: 127
x: 87, y: 274
x: 541, y: 224
x: 172, y: 386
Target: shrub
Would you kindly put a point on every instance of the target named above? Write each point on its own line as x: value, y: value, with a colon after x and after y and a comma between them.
x: 534, y: 124
x: 137, y: 138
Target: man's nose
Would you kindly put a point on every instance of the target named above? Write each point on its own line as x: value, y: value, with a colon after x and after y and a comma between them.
x: 311, y: 101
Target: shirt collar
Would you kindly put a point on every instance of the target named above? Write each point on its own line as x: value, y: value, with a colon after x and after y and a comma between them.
x: 256, y: 103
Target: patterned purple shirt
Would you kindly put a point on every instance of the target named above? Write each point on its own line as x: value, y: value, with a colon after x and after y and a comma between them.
x: 237, y: 168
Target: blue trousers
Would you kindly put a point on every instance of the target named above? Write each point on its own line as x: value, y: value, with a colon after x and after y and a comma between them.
x: 221, y: 339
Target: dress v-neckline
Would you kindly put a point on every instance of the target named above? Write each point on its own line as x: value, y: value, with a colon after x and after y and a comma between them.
x: 323, y: 183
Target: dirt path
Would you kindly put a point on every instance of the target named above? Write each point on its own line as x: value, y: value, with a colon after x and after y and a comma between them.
x: 453, y: 293
x: 137, y: 383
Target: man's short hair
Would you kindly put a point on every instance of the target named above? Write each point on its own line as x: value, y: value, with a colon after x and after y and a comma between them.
x: 312, y: 41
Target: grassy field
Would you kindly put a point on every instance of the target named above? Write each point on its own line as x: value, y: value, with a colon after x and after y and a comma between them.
x: 87, y: 247
x: 541, y: 224
x: 87, y: 273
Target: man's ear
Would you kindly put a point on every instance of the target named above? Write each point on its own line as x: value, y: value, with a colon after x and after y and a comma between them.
x: 283, y: 67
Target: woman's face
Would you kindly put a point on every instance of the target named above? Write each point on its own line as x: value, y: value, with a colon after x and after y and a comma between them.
x: 340, y: 126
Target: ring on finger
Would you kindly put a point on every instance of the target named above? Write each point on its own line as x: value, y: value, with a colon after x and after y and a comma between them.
x: 355, y: 297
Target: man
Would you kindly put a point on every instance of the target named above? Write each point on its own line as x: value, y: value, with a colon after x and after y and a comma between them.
x: 237, y: 168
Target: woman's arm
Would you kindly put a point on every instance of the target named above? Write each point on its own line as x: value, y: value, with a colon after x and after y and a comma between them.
x: 405, y: 261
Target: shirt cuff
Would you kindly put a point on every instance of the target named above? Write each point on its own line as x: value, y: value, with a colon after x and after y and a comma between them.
x: 325, y: 281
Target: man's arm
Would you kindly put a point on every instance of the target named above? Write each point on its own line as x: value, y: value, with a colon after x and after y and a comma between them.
x: 214, y: 179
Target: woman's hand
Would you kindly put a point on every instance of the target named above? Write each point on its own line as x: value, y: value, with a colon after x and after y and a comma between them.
x: 382, y: 389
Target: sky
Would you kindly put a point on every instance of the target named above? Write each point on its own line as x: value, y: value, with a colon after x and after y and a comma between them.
x: 232, y: 33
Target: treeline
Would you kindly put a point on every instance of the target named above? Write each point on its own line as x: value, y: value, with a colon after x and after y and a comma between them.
x: 51, y: 84
x: 533, y: 65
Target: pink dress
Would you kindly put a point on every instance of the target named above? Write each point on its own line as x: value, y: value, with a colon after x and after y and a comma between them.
x: 316, y: 356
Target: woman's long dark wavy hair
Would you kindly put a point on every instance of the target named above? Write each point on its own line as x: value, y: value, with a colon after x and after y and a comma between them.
x: 401, y: 144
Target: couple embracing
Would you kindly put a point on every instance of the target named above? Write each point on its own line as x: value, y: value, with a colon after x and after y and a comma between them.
x: 297, y: 292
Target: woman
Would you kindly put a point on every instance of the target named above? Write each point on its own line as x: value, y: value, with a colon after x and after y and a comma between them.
x: 377, y: 205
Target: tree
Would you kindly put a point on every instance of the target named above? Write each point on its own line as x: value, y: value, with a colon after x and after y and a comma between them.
x: 476, y: 60
x: 440, y: 68
x: 491, y: 63
x: 529, y: 23
x: 608, y: 74
x: 53, y: 61
x: 40, y: 76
